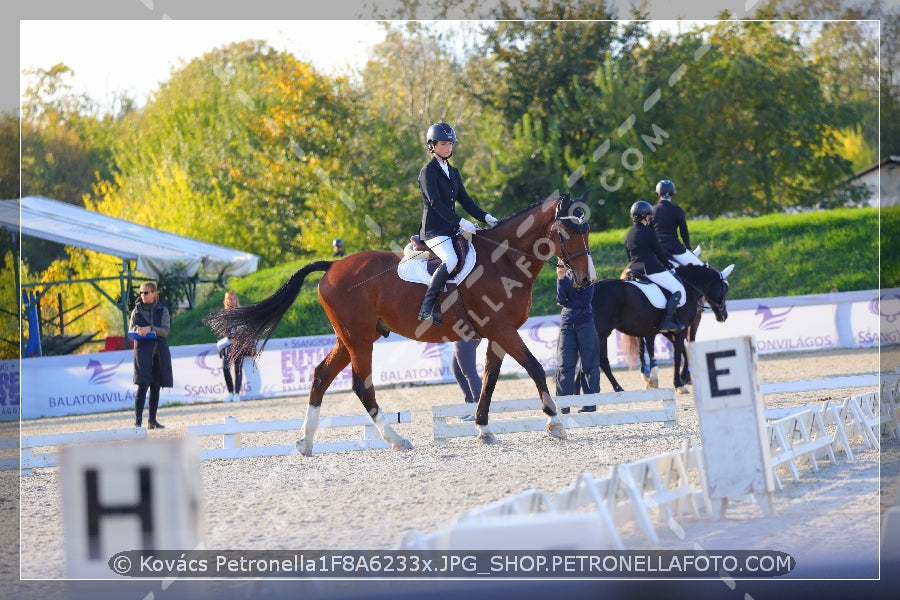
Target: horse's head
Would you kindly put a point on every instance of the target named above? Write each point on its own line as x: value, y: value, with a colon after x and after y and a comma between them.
x: 572, y: 228
x: 711, y: 284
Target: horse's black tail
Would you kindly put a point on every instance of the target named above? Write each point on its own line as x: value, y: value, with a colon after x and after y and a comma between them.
x: 246, y: 325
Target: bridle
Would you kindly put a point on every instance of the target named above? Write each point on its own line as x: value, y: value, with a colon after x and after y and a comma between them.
x: 717, y: 307
x: 577, y: 221
x: 564, y: 255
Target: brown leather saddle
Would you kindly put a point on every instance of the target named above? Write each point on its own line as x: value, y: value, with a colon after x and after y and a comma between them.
x: 460, y: 246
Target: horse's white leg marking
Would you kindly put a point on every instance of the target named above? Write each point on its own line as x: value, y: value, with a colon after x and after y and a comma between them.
x: 555, y: 427
x: 310, y: 424
x: 388, y: 434
x: 485, y: 435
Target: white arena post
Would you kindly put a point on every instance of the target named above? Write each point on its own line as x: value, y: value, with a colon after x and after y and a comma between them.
x: 732, y: 423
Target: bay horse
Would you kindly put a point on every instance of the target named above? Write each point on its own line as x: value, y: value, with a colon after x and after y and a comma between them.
x: 364, y: 298
x: 619, y: 305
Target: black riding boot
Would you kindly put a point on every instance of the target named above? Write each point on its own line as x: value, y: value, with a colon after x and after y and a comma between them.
x: 431, y: 309
x: 669, y: 323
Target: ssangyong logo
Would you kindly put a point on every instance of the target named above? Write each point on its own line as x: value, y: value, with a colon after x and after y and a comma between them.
x: 100, y: 374
x: 535, y: 334
x: 771, y: 320
x: 200, y: 361
x: 887, y: 306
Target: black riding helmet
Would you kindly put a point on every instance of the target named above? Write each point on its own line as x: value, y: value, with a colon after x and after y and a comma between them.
x: 439, y: 132
x: 640, y: 209
x: 665, y: 188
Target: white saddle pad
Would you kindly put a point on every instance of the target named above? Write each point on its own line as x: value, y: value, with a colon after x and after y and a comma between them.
x: 414, y: 267
x: 652, y: 291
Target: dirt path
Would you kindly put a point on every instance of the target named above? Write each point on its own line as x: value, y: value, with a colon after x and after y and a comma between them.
x: 369, y: 499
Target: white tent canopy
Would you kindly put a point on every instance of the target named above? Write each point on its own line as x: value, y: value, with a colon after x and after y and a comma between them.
x: 154, y: 251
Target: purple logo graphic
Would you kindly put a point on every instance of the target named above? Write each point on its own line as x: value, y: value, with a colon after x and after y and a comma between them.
x: 535, y: 334
x: 200, y: 361
x: 771, y: 320
x: 431, y: 350
x: 100, y: 374
x: 887, y: 306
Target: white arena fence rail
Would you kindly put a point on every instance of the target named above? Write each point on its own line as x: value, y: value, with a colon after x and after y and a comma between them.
x: 231, y: 431
x: 29, y: 459
x: 445, y: 426
x: 668, y: 484
x: 671, y: 484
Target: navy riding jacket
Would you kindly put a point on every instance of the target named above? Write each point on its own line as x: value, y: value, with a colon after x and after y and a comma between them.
x: 439, y: 196
x: 645, y: 255
x: 668, y: 221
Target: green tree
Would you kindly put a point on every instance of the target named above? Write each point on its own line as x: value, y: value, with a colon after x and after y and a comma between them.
x: 230, y: 149
x: 762, y: 141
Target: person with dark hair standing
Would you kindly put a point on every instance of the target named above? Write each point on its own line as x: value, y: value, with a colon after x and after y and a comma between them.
x: 578, y: 340
x: 669, y: 221
x: 646, y: 256
x: 234, y: 385
x: 150, y: 322
x: 441, y: 187
x: 465, y: 371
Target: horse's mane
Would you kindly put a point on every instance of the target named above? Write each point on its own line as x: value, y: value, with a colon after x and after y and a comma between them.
x: 525, y: 210
x: 703, y: 270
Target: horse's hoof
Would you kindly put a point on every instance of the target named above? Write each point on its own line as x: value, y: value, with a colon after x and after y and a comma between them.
x: 487, y: 438
x: 557, y: 430
x: 303, y: 447
x: 646, y: 379
x: 682, y: 390
x: 403, y: 444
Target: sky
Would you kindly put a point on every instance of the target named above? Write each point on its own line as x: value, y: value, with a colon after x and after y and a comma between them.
x: 110, y: 58
x: 133, y: 57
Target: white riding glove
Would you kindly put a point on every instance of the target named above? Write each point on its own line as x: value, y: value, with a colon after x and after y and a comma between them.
x: 490, y: 220
x: 467, y: 226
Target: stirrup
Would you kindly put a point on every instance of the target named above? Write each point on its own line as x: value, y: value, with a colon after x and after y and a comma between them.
x: 670, y: 327
x: 434, y: 317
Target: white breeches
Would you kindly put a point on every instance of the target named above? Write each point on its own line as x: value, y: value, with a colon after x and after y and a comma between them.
x: 665, y: 279
x: 442, y: 247
x: 687, y: 258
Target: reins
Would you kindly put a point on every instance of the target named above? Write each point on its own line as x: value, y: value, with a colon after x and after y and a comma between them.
x: 565, y: 257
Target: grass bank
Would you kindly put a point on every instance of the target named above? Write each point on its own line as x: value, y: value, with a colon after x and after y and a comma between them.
x: 775, y: 255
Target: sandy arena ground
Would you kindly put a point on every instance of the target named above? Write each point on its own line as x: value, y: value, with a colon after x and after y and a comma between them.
x: 829, y: 521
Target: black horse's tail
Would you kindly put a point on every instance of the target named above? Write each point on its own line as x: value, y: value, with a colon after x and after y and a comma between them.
x: 246, y: 325
x: 632, y: 347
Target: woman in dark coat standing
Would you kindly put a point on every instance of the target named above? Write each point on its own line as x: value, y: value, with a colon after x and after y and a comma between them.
x: 150, y: 321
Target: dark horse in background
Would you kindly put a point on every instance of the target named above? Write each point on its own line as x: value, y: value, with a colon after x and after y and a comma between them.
x: 365, y: 299
x: 619, y: 305
x: 642, y: 349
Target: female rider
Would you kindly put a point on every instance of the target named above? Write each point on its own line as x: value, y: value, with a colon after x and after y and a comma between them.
x: 441, y: 186
x: 646, y: 256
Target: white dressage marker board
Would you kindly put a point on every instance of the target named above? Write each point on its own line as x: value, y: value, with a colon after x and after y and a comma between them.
x: 138, y: 495
x: 731, y: 412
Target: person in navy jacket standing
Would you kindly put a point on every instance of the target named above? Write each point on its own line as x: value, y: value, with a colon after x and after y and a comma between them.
x: 441, y: 187
x: 577, y: 339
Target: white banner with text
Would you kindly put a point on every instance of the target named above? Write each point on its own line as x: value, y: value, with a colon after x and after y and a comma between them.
x: 87, y: 383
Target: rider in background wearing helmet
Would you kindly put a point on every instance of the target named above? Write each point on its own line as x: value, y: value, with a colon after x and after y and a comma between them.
x: 337, y: 246
x: 668, y: 221
x: 441, y: 187
x: 645, y: 255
